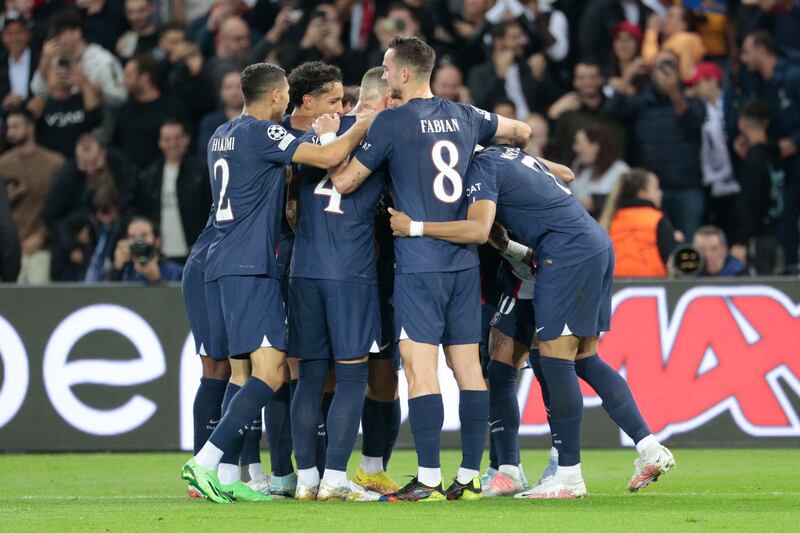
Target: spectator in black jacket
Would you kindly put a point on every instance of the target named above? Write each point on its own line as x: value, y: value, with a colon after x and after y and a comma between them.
x: 103, y: 21
x: 511, y: 75
x: 143, y: 35
x: 10, y: 254
x: 598, y: 21
x: 232, y: 102
x: 174, y: 192
x: 667, y: 132
x: 139, y: 120
x: 17, y: 62
x: 755, y: 242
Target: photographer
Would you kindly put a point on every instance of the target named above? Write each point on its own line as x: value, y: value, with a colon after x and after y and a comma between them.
x: 712, y: 245
x: 137, y: 257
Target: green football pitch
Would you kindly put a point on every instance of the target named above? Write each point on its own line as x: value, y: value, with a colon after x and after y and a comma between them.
x: 747, y: 490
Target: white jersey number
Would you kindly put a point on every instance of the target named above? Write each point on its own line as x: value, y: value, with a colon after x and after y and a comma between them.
x: 335, y: 202
x: 533, y: 163
x: 224, y: 209
x: 447, y: 171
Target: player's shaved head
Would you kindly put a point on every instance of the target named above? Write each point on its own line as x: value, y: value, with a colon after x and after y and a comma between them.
x: 259, y: 79
x: 415, y: 55
x: 313, y: 78
x: 373, y: 86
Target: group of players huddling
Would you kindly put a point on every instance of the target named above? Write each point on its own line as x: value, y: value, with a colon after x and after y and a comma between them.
x: 341, y: 300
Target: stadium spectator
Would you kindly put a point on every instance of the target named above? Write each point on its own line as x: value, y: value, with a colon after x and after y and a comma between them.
x: 538, y: 145
x: 9, y: 242
x: 781, y: 19
x: 101, y: 67
x: 581, y: 107
x: 27, y: 171
x: 232, y: 49
x: 174, y: 192
x: 755, y: 241
x: 511, y: 75
x: 597, y: 167
x: 187, y: 79
x: 70, y: 200
x: 461, y: 36
x: 103, y: 21
x: 143, y: 36
x: 505, y: 108
x: 676, y: 32
x: 598, y: 21
x: 710, y: 241
x: 551, y: 26
x: 643, y: 237
x: 17, y: 62
x: 627, y: 71
x: 232, y: 101
x: 70, y: 108
x: 664, y: 120
x: 777, y: 83
x: 721, y: 186
x: 448, y: 83
x: 138, y: 121
x: 137, y: 257
x: 350, y: 98
x: 207, y: 30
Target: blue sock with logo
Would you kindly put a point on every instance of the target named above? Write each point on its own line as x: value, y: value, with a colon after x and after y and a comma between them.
x: 426, y: 417
x: 242, y: 410
x: 231, y: 456
x: 306, y: 412
x: 535, y: 360
x: 207, y: 409
x: 251, y: 451
x: 566, y: 408
x: 473, y: 411
x: 344, y: 414
x: 322, y: 434
x: 616, y: 395
x: 279, y: 432
x: 504, y: 412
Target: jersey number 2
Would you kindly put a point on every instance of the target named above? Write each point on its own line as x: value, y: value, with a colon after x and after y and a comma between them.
x: 224, y: 210
x: 335, y: 203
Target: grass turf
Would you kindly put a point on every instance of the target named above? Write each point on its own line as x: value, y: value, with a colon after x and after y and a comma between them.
x: 710, y: 489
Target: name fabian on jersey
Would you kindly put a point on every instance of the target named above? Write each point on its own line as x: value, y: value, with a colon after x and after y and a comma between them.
x: 439, y: 126
x: 222, y: 144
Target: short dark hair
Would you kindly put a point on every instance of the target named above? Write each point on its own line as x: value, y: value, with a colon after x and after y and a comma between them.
x: 172, y: 26
x: 260, y: 78
x: 314, y: 78
x: 633, y: 182
x: 106, y: 196
x: 589, y: 62
x: 142, y: 218
x: 350, y: 96
x: 500, y: 29
x: 765, y: 40
x: 147, y: 64
x: 68, y: 19
x: 755, y: 111
x: 503, y: 101
x: 22, y: 112
x: 413, y: 53
x: 172, y: 121
x: 608, y: 151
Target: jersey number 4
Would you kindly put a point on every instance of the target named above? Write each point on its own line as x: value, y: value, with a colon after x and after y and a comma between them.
x: 224, y: 209
x: 335, y: 202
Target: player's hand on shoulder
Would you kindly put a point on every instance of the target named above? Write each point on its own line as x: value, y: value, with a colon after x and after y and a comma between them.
x: 400, y: 222
x: 327, y: 123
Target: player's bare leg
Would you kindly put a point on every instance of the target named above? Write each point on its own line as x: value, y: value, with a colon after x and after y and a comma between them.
x: 654, y: 459
x: 473, y: 410
x: 381, y: 422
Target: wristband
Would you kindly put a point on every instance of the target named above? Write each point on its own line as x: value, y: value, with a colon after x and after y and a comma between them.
x: 327, y: 138
x: 516, y: 251
x: 416, y: 229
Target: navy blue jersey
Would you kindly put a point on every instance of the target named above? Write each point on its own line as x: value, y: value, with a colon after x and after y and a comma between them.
x: 335, y: 236
x: 536, y: 205
x: 246, y: 161
x: 197, y: 257
x: 428, y: 144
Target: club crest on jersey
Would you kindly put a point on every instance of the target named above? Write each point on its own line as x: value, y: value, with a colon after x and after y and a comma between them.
x: 276, y: 133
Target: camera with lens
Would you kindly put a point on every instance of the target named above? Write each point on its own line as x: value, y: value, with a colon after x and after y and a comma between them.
x: 687, y: 262
x: 141, y: 250
x: 63, y: 62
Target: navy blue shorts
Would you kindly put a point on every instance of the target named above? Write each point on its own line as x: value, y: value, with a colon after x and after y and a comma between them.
x: 514, y: 318
x: 438, y: 307
x: 246, y: 313
x: 194, y: 297
x: 332, y: 318
x: 574, y: 300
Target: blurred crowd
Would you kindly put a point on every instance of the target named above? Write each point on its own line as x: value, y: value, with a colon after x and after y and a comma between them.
x: 680, y: 120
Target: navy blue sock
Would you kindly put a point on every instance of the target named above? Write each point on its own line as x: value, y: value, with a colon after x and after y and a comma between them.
x: 493, y: 453
x: 426, y: 416
x: 278, y: 428
x: 343, y: 416
x: 504, y: 412
x: 231, y: 456
x: 616, y: 395
x: 394, y: 430
x: 306, y: 412
x: 535, y: 361
x: 243, y: 409
x: 206, y: 409
x: 473, y: 410
x: 322, y: 434
x: 381, y: 424
x: 566, y: 408
x: 251, y: 451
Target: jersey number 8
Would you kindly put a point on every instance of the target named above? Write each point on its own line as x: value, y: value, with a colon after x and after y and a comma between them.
x: 224, y: 209
x: 447, y: 171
